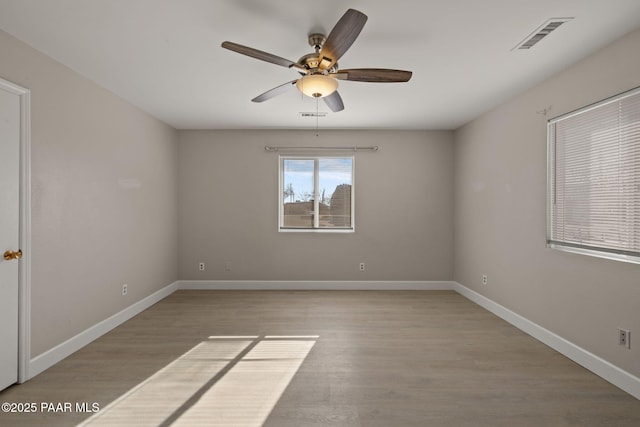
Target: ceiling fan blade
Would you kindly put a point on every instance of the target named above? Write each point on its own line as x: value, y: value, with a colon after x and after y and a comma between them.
x: 278, y: 90
x: 258, y: 54
x: 375, y: 75
x: 341, y: 37
x: 334, y: 102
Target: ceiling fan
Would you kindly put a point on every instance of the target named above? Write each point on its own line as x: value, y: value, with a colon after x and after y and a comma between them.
x: 319, y: 69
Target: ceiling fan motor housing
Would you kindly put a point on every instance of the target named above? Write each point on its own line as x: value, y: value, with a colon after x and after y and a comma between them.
x: 313, y: 61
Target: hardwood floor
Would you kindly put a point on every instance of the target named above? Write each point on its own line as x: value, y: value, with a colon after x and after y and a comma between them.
x: 316, y: 358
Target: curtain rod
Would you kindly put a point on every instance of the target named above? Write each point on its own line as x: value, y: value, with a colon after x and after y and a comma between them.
x: 355, y: 148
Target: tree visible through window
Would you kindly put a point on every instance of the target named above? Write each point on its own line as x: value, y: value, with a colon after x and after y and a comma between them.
x: 316, y: 193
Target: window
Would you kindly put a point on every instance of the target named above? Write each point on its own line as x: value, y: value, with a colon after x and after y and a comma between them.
x: 594, y: 179
x: 316, y: 193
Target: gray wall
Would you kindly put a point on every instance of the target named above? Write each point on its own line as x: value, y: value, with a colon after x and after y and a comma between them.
x: 228, y: 194
x: 104, y: 198
x: 500, y: 190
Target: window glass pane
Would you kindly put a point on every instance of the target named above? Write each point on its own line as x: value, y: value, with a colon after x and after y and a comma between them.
x: 316, y: 193
x: 334, y: 189
x: 297, y: 197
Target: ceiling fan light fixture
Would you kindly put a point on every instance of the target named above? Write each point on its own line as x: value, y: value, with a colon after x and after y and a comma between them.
x: 317, y: 85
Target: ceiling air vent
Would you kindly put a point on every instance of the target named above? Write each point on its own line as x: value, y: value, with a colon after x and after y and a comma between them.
x: 541, y: 32
x: 313, y: 114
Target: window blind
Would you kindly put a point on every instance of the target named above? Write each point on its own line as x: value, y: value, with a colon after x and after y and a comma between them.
x: 594, y: 171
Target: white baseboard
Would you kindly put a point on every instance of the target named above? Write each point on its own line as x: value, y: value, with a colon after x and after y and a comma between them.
x: 316, y: 285
x: 618, y: 377
x: 49, y: 358
x: 597, y: 365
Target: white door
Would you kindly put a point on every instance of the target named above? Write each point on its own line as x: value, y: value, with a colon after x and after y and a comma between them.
x: 9, y: 234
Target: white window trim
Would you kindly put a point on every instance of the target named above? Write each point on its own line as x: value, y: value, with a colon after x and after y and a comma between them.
x: 616, y: 255
x: 316, y: 196
x: 593, y: 252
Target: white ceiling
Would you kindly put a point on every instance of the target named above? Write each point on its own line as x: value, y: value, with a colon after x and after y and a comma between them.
x: 164, y: 56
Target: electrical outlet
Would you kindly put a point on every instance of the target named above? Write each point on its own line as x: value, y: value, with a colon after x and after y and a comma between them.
x: 485, y: 280
x: 201, y: 266
x: 124, y: 289
x: 227, y: 266
x: 624, y: 338
x: 362, y: 266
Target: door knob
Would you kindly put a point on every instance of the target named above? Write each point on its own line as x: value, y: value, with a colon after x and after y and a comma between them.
x: 9, y: 255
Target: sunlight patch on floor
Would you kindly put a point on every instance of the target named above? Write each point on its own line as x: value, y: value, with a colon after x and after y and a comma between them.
x: 246, y: 395
x: 224, y: 381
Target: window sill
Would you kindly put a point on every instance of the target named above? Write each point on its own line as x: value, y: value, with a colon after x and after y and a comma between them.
x: 595, y: 253
x: 316, y: 230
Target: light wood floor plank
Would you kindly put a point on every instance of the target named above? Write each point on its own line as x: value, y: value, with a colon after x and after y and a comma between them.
x: 380, y: 358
